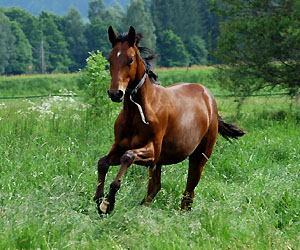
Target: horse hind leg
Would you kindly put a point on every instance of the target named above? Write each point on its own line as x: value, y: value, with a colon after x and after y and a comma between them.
x: 197, y: 161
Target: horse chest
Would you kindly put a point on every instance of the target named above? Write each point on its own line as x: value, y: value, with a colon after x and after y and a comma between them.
x: 136, y: 139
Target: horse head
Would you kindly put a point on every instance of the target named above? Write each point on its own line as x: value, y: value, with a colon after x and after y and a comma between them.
x: 124, y: 59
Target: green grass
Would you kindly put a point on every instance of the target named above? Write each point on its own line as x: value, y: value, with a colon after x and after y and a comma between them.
x: 26, y: 85
x: 248, y: 196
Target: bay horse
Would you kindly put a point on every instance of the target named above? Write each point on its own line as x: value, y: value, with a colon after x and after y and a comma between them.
x: 157, y: 125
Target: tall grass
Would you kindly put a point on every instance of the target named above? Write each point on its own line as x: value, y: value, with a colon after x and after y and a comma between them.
x: 248, y: 196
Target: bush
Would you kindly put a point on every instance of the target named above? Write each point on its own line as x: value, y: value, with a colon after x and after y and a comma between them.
x: 94, y: 79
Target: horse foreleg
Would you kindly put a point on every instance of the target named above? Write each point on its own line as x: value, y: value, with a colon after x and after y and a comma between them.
x: 113, y: 158
x: 154, y: 184
x: 145, y: 154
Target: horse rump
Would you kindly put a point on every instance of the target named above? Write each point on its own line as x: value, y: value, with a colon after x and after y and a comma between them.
x: 228, y: 130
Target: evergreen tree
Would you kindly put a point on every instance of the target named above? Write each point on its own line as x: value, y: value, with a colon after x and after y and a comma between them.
x: 138, y: 15
x: 21, y: 56
x: 171, y: 50
x: 56, y: 52
x: 7, y: 41
x: 77, y: 44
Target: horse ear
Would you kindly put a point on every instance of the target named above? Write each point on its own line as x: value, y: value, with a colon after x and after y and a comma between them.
x: 112, y: 36
x: 131, y: 36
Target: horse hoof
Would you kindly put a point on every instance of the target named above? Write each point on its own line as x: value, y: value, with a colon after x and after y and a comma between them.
x: 103, y: 206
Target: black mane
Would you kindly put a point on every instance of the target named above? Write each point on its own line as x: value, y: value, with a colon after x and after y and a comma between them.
x: 148, y: 61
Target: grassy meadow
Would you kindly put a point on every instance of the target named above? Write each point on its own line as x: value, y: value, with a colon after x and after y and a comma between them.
x: 247, y: 198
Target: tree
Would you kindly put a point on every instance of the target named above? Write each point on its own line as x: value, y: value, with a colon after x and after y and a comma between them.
x: 77, y: 44
x: 171, y: 50
x: 186, y: 19
x: 21, y: 56
x: 93, y: 79
x: 96, y: 31
x: 259, y: 43
x: 115, y: 15
x: 96, y: 34
x: 7, y: 41
x: 138, y: 16
x: 195, y: 46
x: 31, y: 28
x: 96, y: 10
x: 56, y: 52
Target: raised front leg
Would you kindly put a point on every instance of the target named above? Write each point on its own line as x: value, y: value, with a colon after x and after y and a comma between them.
x: 113, y: 158
x: 145, y: 154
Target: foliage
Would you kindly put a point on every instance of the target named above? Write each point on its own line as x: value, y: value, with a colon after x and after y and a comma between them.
x: 74, y: 28
x: 56, y: 52
x: 97, y: 34
x: 186, y: 19
x: 139, y: 17
x: 21, y: 56
x: 171, y: 50
x: 195, y: 46
x: 65, y: 40
x: 96, y: 10
x: 7, y: 40
x: 31, y: 28
x: 115, y: 15
x: 259, y: 43
x: 94, y: 81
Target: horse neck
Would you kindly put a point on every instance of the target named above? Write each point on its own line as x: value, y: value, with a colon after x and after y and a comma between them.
x: 143, y: 95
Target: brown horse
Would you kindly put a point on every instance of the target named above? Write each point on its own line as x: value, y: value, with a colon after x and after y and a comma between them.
x: 157, y: 126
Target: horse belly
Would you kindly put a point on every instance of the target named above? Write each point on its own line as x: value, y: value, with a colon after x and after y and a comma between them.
x: 184, y: 135
x: 175, y: 150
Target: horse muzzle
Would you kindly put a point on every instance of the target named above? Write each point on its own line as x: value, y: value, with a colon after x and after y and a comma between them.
x: 116, y: 96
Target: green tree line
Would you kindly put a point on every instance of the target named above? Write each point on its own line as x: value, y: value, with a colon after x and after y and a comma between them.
x: 180, y: 31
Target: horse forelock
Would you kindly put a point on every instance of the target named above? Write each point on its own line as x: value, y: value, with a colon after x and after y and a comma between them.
x: 147, y: 60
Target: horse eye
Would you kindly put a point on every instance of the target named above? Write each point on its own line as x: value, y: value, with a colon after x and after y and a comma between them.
x: 130, y: 61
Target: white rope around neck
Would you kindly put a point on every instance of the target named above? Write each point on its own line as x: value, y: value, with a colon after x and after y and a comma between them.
x: 134, y: 91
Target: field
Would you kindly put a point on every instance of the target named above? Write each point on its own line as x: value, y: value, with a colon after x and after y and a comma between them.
x: 248, y: 196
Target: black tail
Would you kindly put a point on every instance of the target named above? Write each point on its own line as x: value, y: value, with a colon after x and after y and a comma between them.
x: 228, y: 130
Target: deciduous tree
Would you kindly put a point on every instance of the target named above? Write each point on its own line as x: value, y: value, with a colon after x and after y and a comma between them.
x: 74, y: 29
x: 7, y: 41
x: 171, y: 50
x: 21, y: 56
x: 138, y: 16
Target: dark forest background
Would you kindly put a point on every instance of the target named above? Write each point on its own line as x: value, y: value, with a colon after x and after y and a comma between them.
x: 181, y: 32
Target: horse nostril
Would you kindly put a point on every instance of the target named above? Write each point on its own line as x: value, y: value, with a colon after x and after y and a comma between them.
x: 116, y: 96
x: 119, y: 94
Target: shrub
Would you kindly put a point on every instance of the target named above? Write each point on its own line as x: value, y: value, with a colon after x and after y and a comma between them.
x: 93, y: 81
